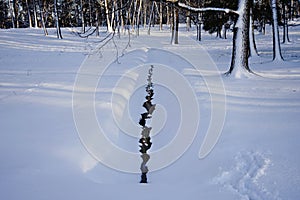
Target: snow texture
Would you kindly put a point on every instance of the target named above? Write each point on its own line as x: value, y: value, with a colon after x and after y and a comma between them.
x: 42, y: 156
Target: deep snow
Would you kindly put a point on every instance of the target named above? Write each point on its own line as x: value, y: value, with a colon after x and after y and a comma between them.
x: 43, y: 155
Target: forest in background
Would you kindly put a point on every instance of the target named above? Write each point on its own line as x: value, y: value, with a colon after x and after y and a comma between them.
x: 215, y: 16
x: 122, y: 14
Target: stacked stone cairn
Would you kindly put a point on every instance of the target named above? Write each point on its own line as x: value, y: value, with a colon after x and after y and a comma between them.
x: 145, y: 140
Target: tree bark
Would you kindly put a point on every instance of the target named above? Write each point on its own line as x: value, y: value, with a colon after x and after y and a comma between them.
x: 16, y: 11
x: 90, y: 14
x: 240, y: 51
x: 28, y: 14
x: 276, y: 40
x: 285, y: 37
x: 160, y: 16
x: 35, y: 16
x: 174, y: 25
x: 97, y: 22
x: 42, y: 15
x: 82, y: 17
x: 150, y: 18
x: 145, y: 13
x: 199, y: 27
x: 168, y: 15
x: 58, y: 31
x: 176, y: 16
x: 253, y: 48
x: 138, y: 17
x: 108, y: 20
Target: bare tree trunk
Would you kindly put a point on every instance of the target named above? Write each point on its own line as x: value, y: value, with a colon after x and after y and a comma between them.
x: 82, y: 17
x: 128, y: 18
x: 285, y: 37
x: 199, y: 31
x: 199, y: 27
x: 224, y: 28
x: 168, y: 15
x: 264, y: 26
x: 109, y: 24
x: 276, y: 40
x: 188, y: 17
x: 97, y: 22
x: 122, y: 18
x: 42, y: 13
x: 150, y: 18
x: 113, y: 18
x: 90, y: 14
x: 172, y: 24
x: 145, y: 13
x: 14, y: 8
x: 160, y: 16
x: 175, y: 25
x: 116, y: 17
x: 16, y: 11
x: 240, y: 51
x: 188, y: 22
x: 134, y: 14
x: 35, y: 15
x: 58, y: 31
x: 253, y: 48
x: 176, y: 16
x: 138, y: 17
x: 29, y: 15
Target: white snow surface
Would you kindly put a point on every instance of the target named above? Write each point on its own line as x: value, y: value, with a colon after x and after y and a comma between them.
x: 42, y: 156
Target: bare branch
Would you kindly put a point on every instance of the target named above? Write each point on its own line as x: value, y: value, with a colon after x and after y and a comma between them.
x: 226, y: 10
x: 194, y: 9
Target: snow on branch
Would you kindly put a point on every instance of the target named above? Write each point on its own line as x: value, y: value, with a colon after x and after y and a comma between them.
x: 226, y: 10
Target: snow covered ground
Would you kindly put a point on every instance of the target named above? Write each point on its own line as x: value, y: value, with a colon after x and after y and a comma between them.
x: 54, y: 94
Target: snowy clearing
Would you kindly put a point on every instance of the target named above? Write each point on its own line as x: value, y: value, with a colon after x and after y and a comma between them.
x: 42, y: 156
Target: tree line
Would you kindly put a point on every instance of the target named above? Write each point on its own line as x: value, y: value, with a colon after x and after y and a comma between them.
x: 215, y: 16
x: 114, y: 13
